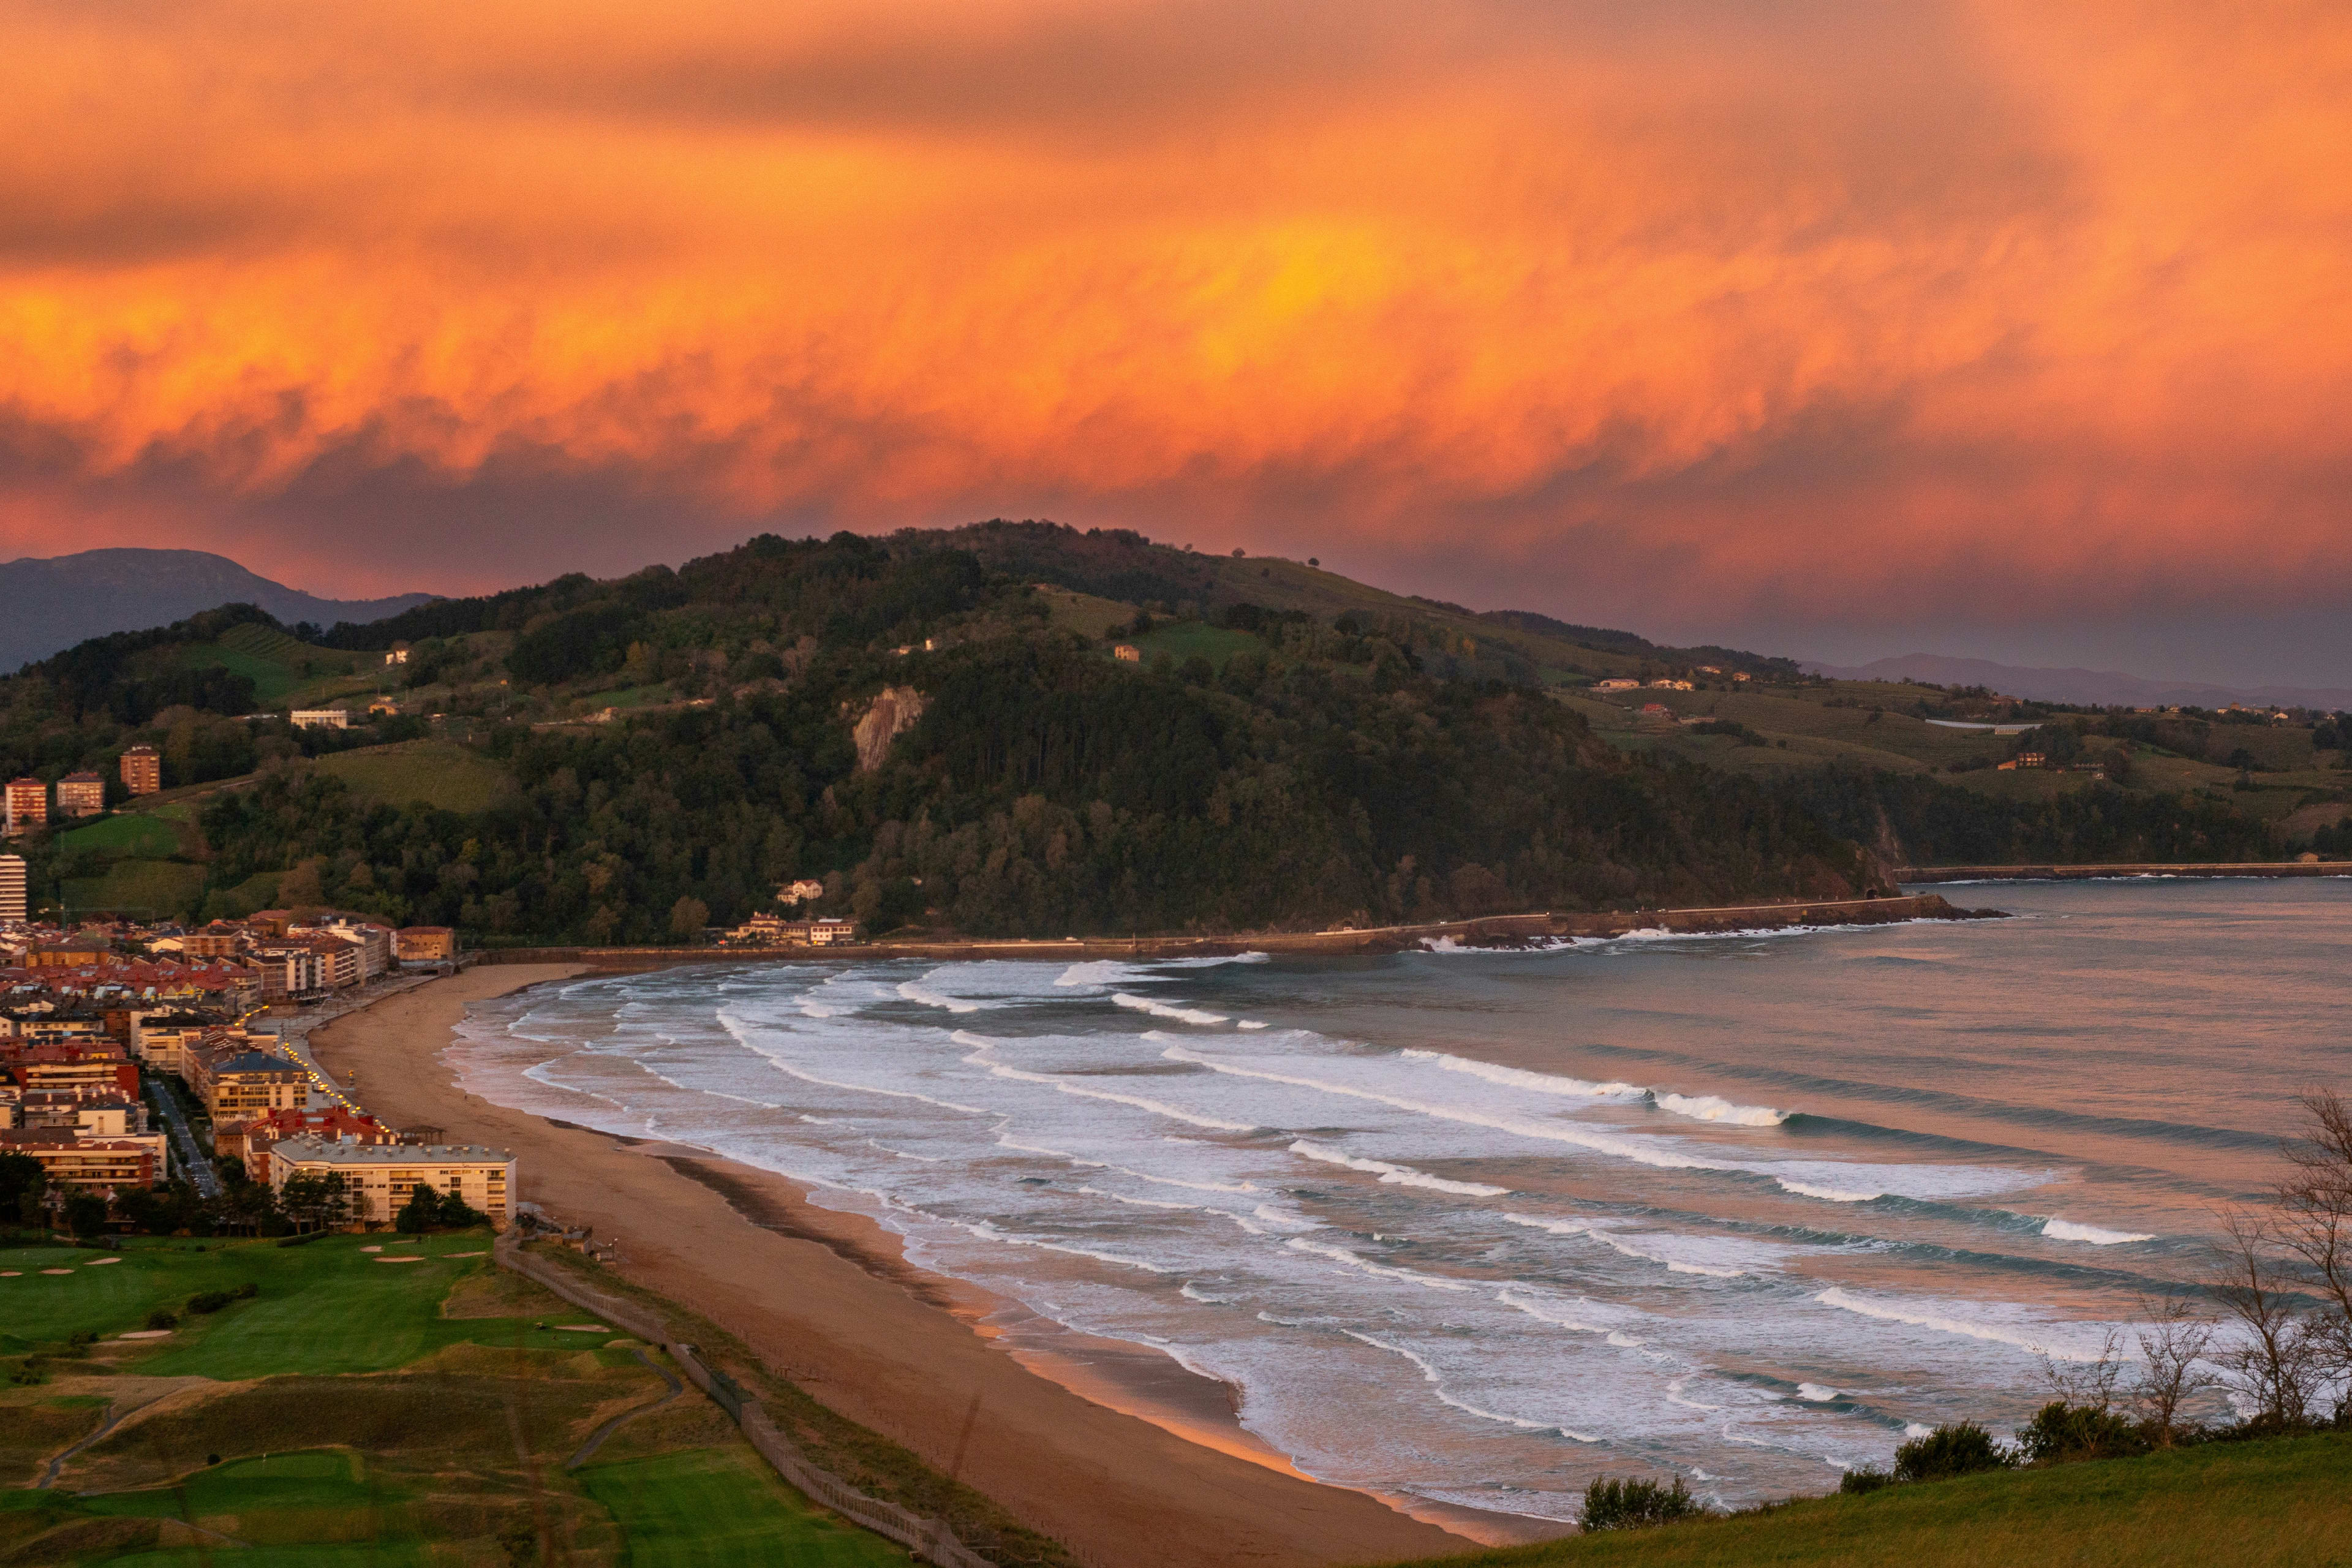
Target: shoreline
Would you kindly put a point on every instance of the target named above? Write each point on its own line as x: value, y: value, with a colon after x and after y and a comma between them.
x: 1124, y: 1460
x: 2120, y: 870
x: 1491, y: 930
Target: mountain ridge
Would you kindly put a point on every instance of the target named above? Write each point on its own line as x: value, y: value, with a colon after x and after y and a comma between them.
x: 49, y: 603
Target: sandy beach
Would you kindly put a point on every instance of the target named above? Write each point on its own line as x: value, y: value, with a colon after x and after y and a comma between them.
x: 827, y: 1299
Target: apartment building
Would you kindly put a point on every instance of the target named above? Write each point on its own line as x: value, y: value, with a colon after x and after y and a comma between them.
x: 28, y: 803
x: 383, y: 1175
x: 142, y: 771
x: 11, y: 888
x: 81, y: 795
x: 99, y: 1165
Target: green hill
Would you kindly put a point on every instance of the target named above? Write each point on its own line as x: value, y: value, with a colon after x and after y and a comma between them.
x: 2278, y: 1503
x: 631, y: 759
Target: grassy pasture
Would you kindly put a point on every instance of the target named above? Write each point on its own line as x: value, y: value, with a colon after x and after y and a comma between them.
x: 124, y: 835
x: 438, y: 773
x: 2283, y: 1503
x: 1183, y: 640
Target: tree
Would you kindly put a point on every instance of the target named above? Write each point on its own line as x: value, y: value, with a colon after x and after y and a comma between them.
x: 85, y: 1214
x: 421, y: 1213
x: 2314, y: 1223
x: 315, y: 1201
x: 2274, y: 1364
x: 22, y: 1185
x: 688, y: 916
x: 2172, y: 1342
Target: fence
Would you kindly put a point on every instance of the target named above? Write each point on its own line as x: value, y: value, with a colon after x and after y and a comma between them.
x: 928, y: 1538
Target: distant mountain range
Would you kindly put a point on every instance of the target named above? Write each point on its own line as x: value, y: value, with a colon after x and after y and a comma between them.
x: 2088, y: 688
x: 53, y: 604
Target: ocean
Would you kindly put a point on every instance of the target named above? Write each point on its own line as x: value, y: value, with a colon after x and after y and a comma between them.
x: 1476, y: 1226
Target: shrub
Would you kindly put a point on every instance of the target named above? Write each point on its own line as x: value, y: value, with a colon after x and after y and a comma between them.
x: 1612, y: 1504
x: 1956, y: 1448
x: 209, y: 1301
x: 1864, y: 1479
x: 2061, y: 1432
x: 163, y: 1318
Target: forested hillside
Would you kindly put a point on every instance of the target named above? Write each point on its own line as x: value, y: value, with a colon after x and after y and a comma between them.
x: 937, y: 728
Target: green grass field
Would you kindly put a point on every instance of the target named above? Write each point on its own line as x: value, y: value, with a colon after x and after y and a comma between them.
x: 2283, y: 1503
x: 1185, y: 639
x: 438, y: 773
x: 125, y: 835
x: 155, y: 888
x: 359, y: 1410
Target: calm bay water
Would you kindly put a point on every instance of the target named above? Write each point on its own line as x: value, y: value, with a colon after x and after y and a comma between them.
x: 1478, y: 1226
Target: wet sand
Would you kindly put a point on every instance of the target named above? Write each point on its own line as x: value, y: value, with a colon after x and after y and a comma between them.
x: 1062, y: 1436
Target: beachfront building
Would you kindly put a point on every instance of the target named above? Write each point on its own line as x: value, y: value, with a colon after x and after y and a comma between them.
x: 425, y: 944
x: 333, y: 1124
x: 382, y: 1177
x: 238, y: 1084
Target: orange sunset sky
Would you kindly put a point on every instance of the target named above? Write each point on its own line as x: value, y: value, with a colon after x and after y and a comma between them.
x: 1843, y: 328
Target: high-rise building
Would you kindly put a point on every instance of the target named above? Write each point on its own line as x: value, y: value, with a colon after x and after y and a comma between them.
x: 142, y: 769
x: 12, y: 887
x: 28, y: 803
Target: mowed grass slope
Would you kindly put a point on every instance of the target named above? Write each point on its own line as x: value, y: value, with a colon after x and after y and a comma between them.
x: 438, y: 773
x: 362, y: 1411
x: 124, y: 835
x: 2281, y: 1503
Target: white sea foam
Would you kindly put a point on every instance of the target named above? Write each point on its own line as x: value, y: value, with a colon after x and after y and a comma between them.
x: 1194, y: 1292
x: 1429, y: 1375
x: 1145, y: 1203
x: 1098, y: 971
x: 1249, y: 1024
x: 2039, y: 1343
x: 1164, y: 1010
x: 1815, y: 1392
x: 1397, y: 1175
x: 916, y: 991
x: 983, y: 1056
x: 1834, y: 1194
x: 2067, y: 1230
x: 1712, y: 1108
x: 1520, y: 1077
x: 1543, y: 1313
x: 1635, y: 1148
x: 1341, y: 1254
x: 1650, y: 1247
x: 987, y: 1232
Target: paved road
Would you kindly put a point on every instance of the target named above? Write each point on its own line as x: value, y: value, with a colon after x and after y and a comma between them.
x: 293, y: 1026
x: 192, y: 1156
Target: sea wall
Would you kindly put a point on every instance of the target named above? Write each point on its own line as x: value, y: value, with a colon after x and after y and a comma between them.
x: 1918, y: 875
x: 1494, y: 930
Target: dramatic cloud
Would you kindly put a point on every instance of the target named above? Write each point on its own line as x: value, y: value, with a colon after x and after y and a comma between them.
x: 1708, y: 313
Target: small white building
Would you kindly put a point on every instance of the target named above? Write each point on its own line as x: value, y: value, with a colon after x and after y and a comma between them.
x: 322, y: 718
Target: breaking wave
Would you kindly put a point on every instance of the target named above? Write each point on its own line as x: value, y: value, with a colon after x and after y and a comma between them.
x: 1397, y: 1175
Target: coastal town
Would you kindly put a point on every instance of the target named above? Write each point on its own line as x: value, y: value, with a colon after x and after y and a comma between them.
x: 148, y: 1077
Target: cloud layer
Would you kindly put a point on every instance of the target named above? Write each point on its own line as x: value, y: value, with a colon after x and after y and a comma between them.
x: 1691, y: 312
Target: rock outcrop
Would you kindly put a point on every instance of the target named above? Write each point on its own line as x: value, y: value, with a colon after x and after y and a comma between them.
x: 892, y: 714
